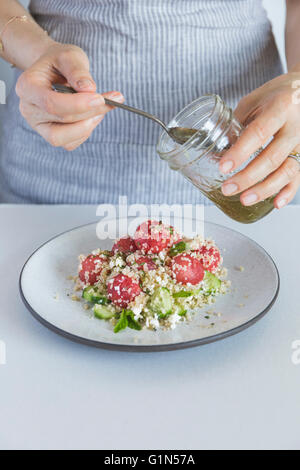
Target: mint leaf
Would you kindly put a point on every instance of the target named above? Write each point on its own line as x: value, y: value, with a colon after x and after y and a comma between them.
x: 122, y: 323
x: 132, y: 323
x: 179, y: 247
x: 182, y: 293
x: 127, y: 320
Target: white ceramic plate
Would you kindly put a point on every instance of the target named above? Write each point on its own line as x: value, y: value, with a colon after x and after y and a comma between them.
x: 44, y: 289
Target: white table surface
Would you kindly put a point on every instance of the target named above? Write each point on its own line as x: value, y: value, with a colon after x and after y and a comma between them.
x: 240, y: 393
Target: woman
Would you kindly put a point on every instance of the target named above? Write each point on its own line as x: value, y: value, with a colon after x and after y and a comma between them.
x: 160, y: 55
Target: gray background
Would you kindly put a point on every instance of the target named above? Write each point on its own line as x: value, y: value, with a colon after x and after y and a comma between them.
x: 240, y: 393
x: 276, y: 12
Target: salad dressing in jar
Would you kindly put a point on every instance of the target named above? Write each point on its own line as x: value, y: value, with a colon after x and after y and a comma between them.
x: 198, y: 159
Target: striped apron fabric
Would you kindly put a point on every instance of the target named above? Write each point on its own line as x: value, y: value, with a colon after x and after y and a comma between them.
x: 161, y: 54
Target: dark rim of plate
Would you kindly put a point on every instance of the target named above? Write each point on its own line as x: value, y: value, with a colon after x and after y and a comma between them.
x: 148, y: 348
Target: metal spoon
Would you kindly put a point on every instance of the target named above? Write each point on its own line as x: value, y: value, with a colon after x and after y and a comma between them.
x: 179, y: 134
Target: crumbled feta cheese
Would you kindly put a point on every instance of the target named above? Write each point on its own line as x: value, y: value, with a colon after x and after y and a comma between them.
x: 173, y: 320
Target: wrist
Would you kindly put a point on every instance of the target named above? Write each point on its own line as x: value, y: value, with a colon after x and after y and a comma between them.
x: 24, y: 42
x: 40, y: 48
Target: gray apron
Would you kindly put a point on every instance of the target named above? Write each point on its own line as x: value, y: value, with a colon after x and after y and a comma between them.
x: 161, y: 54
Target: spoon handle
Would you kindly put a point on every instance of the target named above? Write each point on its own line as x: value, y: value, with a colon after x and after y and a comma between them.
x: 66, y: 89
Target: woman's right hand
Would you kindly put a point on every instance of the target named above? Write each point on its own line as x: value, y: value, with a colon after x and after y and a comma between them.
x: 63, y: 120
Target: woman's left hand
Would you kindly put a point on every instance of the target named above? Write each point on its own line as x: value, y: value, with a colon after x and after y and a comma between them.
x: 271, y: 110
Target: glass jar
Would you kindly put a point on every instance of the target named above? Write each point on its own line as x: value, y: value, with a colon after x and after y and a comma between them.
x: 198, y: 159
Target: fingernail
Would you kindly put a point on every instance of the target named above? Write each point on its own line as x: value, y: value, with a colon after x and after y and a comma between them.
x: 250, y: 199
x: 84, y: 83
x: 226, y: 167
x: 229, y: 188
x: 96, y: 102
x: 116, y: 97
x: 281, y: 203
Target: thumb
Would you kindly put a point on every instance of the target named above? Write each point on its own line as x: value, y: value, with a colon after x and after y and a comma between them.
x: 73, y: 64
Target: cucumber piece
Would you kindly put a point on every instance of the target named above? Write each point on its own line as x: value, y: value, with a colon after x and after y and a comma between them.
x: 103, y: 313
x: 161, y: 302
x: 211, y: 282
x: 91, y: 294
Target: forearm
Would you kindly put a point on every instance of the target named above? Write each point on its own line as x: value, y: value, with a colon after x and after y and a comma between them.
x: 23, y: 42
x: 292, y: 35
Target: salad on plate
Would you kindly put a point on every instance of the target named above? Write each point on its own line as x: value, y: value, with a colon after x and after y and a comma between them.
x: 154, y: 280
